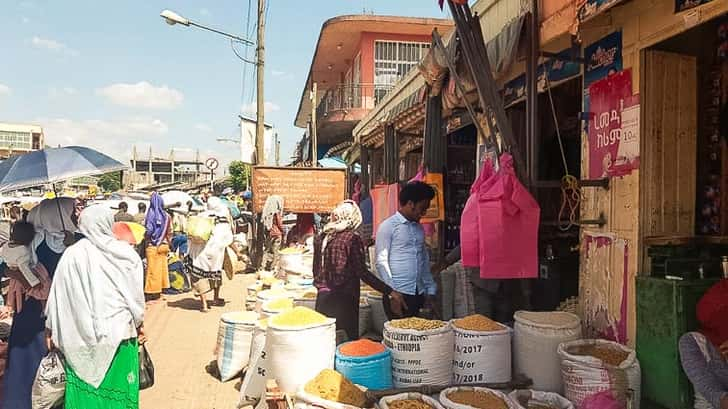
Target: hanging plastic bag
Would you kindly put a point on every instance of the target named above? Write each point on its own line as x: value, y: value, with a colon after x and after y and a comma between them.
x: 146, y: 369
x: 508, y: 226
x: 49, y: 385
x: 469, y: 234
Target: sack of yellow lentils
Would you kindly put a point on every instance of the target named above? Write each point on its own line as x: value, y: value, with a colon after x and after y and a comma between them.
x: 482, y: 351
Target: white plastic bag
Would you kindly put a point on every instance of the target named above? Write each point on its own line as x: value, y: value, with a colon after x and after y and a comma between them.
x: 234, y: 338
x: 536, y: 338
x: 298, y: 354
x: 448, y: 404
x: 553, y: 400
x: 585, y: 375
x: 49, y: 385
x: 420, y: 357
x: 481, y: 356
x: 387, y: 400
x: 255, y: 377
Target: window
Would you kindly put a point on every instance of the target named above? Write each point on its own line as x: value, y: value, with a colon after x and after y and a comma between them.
x: 15, y: 140
x: 392, y: 61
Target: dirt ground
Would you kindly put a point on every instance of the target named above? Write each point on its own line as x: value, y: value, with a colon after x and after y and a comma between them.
x: 181, y: 343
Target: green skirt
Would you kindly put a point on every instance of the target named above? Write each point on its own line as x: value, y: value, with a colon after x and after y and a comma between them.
x: 118, y: 390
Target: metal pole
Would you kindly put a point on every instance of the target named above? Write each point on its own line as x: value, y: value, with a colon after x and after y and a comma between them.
x: 260, y: 116
x: 314, y: 136
x: 278, y: 150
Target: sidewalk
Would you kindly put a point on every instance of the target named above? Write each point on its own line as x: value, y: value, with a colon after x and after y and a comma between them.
x: 181, y: 343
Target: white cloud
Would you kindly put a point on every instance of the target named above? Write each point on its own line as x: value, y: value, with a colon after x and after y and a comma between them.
x: 281, y: 74
x: 5, y: 90
x: 205, y: 12
x: 277, y: 73
x: 26, y: 20
x: 113, y: 137
x: 53, y: 45
x: 56, y: 92
x: 251, y: 108
x: 203, y: 127
x: 142, y: 95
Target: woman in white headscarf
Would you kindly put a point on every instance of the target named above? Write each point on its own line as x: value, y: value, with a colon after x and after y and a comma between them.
x: 54, y: 224
x: 206, y: 258
x: 95, y: 314
x: 338, y: 265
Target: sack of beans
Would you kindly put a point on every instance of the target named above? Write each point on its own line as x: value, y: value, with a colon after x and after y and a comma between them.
x: 379, y: 317
x: 422, y: 351
x: 331, y: 390
x: 468, y: 397
x: 366, y: 363
x: 306, y: 299
x: 365, y: 316
x: 411, y: 400
x: 482, y: 351
x: 255, y: 377
x: 530, y: 399
x: 536, y: 338
x: 300, y: 343
x: 589, y: 367
x: 234, y: 337
x: 269, y: 295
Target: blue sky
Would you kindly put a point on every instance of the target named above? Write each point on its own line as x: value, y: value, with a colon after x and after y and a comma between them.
x: 109, y: 74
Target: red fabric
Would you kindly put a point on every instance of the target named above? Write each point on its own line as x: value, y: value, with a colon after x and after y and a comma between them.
x: 385, y: 202
x: 276, y: 229
x: 712, y: 311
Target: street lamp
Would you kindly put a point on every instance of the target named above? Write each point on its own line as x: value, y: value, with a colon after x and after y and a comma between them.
x: 173, y: 18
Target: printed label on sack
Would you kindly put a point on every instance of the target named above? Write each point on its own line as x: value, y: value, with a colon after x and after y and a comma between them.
x: 481, y: 358
x: 420, y: 358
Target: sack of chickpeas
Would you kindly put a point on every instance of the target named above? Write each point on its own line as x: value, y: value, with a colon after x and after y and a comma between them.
x: 468, y: 397
x: 482, y: 351
x: 411, y: 400
x: 422, y: 351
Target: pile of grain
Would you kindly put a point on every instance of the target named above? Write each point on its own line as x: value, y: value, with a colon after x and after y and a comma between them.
x: 309, y: 295
x: 477, y: 399
x: 362, y: 347
x: 409, y: 404
x: 333, y: 386
x: 298, y: 317
x: 415, y: 323
x: 609, y: 355
x: 478, y: 322
x: 278, y: 305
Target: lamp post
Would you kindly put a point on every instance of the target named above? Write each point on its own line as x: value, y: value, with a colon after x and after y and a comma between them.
x: 173, y: 18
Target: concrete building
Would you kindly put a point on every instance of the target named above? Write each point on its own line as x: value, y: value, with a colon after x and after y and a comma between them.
x: 357, y: 60
x: 151, y: 170
x: 19, y: 138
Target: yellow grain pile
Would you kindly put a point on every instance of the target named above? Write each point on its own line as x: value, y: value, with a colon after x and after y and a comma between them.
x: 607, y: 354
x: 309, y: 295
x: 333, y: 386
x: 477, y: 399
x: 477, y: 322
x: 415, y: 323
x: 278, y: 305
x: 409, y: 404
x: 298, y: 317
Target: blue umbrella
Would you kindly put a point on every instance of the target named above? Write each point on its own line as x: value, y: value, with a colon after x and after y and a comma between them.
x: 54, y: 165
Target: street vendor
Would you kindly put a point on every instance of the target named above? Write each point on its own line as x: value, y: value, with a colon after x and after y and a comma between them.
x: 339, y: 264
x: 272, y: 218
x: 704, y: 354
x: 402, y: 258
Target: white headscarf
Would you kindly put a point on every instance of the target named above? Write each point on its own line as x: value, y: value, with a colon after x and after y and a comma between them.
x: 50, y: 223
x: 273, y: 205
x: 217, y: 207
x: 345, y: 216
x: 96, y: 299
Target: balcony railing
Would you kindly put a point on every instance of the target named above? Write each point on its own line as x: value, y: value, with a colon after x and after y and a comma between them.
x: 351, y: 96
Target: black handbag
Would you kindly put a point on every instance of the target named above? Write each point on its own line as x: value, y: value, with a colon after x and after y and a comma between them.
x: 146, y: 369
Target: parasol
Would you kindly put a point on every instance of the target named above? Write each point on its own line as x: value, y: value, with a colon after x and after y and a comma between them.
x: 132, y: 233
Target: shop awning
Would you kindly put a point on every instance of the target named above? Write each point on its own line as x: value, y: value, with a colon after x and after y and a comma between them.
x: 503, y: 49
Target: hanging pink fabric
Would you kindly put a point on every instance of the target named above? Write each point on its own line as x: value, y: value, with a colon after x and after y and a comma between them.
x: 385, y: 201
x: 469, y: 232
x: 508, y: 226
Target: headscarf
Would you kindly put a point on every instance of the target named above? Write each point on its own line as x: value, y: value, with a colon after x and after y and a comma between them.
x: 218, y: 208
x: 304, y: 224
x: 712, y: 311
x: 346, y: 216
x: 156, y: 219
x: 273, y: 205
x: 50, y: 223
x: 96, y: 299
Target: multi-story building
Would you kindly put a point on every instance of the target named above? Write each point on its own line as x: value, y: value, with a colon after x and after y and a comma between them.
x: 357, y: 60
x: 150, y: 170
x: 19, y: 138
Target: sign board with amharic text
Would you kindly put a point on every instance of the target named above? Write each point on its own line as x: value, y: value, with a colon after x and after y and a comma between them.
x: 304, y: 190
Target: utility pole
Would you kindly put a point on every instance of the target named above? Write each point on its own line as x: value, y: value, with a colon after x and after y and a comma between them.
x: 260, y: 61
x: 314, y: 136
x: 278, y: 150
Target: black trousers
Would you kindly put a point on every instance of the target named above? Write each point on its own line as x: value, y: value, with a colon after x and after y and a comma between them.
x: 414, y: 304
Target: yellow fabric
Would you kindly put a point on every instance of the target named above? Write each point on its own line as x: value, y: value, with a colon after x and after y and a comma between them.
x: 157, y: 271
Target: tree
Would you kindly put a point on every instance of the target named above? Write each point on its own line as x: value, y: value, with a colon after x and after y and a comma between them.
x: 239, y: 175
x: 110, y: 182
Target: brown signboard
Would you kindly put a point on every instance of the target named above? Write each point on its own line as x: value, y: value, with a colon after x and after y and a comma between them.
x: 304, y: 190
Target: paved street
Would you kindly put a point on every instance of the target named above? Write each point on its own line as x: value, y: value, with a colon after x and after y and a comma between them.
x: 181, y: 343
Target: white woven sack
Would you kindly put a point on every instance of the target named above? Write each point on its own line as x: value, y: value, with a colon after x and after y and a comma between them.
x: 317, y: 402
x: 553, y: 400
x: 585, y: 375
x: 234, y: 337
x: 379, y: 317
x: 536, y: 338
x: 365, y: 317
x: 387, y: 400
x: 305, y: 302
x: 481, y: 356
x: 420, y: 357
x: 269, y: 295
x: 255, y: 377
x: 448, y: 404
x: 297, y: 355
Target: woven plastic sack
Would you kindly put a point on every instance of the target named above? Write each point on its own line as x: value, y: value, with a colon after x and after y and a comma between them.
x: 253, y: 384
x: 365, y: 317
x: 481, y: 356
x: 372, y: 372
x: 49, y: 385
x: 585, y: 375
x: 448, y: 404
x: 420, y: 357
x: 387, y: 400
x: 200, y: 227
x: 523, y: 397
x: 234, y: 338
x: 379, y: 316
